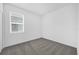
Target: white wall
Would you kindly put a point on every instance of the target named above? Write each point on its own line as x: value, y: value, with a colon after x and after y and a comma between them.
x: 60, y: 26
x: 31, y: 27
x: 78, y: 30
x: 0, y: 26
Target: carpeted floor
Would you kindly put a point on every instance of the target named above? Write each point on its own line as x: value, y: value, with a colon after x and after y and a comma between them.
x: 39, y: 46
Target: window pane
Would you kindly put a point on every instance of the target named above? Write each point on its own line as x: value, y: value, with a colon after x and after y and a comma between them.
x: 17, y: 27
x: 16, y: 19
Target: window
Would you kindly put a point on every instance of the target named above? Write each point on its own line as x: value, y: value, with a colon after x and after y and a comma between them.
x: 16, y: 22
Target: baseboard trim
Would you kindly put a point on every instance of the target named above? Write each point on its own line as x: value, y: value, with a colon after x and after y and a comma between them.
x: 58, y: 41
x: 20, y: 43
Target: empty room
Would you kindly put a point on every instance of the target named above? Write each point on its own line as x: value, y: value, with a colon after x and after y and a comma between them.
x: 39, y: 28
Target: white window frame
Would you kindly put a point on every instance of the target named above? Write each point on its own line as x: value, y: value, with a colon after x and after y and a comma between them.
x: 16, y: 23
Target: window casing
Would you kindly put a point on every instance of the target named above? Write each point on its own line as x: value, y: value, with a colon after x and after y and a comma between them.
x: 16, y: 22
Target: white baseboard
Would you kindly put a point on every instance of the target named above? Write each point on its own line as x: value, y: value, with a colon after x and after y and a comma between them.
x: 4, y: 46
x: 53, y: 39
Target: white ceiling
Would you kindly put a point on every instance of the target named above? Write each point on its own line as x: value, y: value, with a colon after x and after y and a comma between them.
x: 40, y: 8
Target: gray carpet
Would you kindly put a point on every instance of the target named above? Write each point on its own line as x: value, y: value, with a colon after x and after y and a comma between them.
x: 39, y: 47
